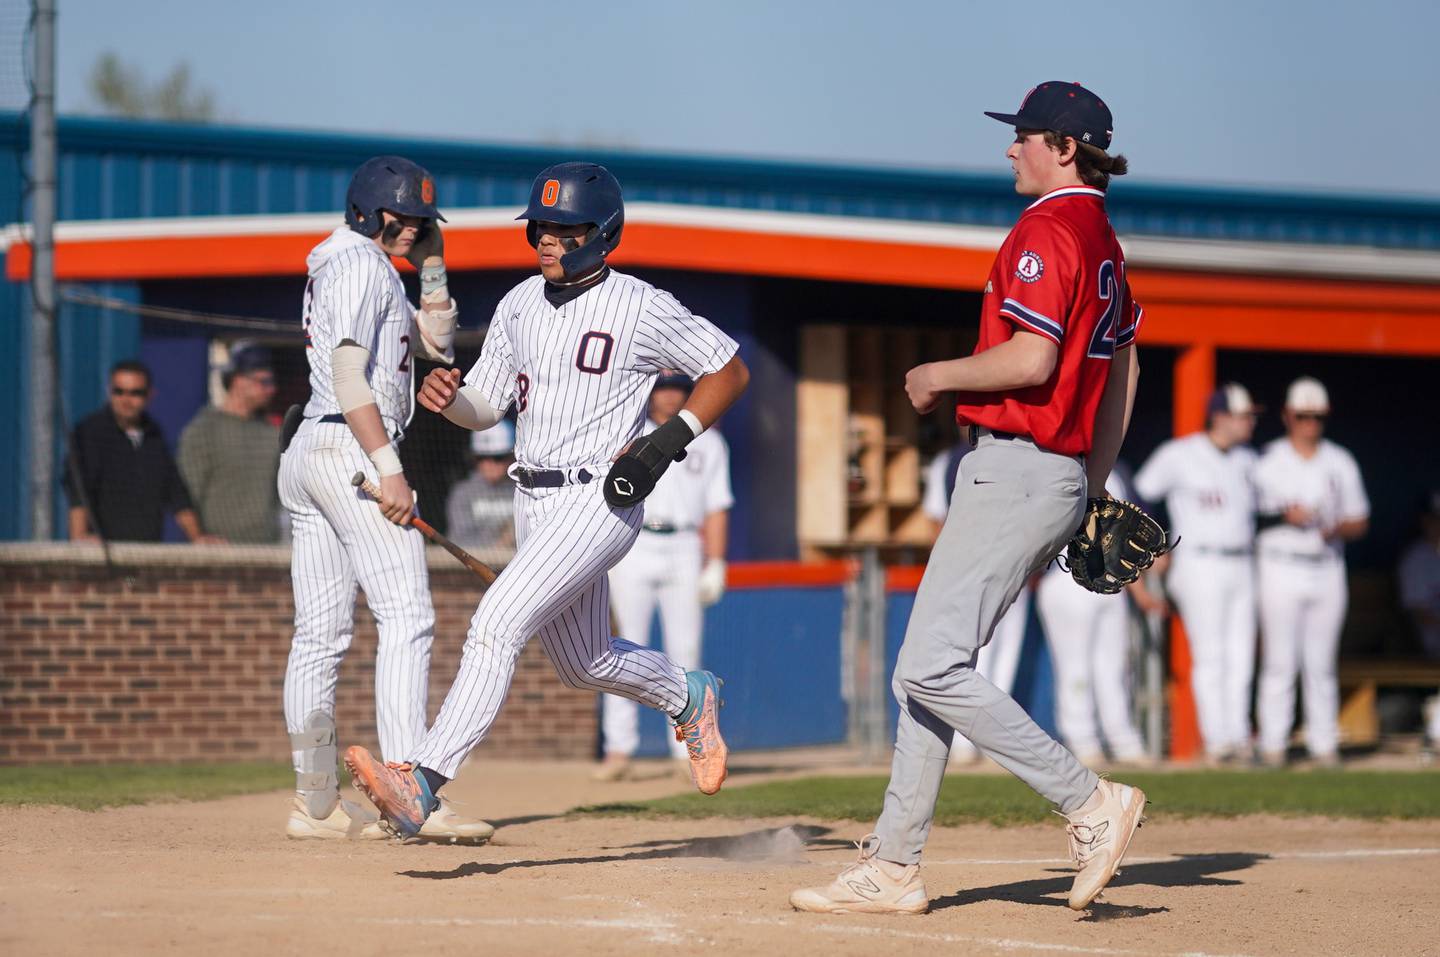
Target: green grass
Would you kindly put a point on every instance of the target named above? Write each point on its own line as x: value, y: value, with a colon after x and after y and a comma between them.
x: 90, y: 788
x: 1003, y: 800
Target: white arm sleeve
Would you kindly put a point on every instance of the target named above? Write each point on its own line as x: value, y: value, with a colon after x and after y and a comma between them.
x: 347, y: 373
x: 437, y: 332
x: 471, y: 410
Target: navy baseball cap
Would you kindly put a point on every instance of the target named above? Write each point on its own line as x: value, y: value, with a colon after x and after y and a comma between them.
x: 1066, y: 108
x: 1234, y: 398
x: 246, y: 357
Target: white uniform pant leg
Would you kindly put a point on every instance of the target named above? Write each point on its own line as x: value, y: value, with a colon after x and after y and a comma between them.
x: 589, y: 658
x: 998, y: 661
x: 324, y: 589
x: 1282, y: 605
x: 633, y: 593
x: 1199, y: 586
x: 1069, y: 620
x: 1111, y: 681
x: 1319, y: 649
x: 1240, y: 637
x: 556, y: 586
x: 389, y: 562
x: 682, y: 619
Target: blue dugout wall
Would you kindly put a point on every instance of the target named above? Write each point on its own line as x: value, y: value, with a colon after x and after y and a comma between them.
x: 778, y: 650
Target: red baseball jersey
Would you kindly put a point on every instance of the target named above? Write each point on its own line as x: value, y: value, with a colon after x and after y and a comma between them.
x: 1059, y: 274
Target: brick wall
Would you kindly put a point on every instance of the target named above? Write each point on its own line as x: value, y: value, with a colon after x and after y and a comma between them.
x: 177, y: 653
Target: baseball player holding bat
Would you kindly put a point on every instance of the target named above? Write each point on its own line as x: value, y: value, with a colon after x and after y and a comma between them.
x: 576, y: 350
x: 482, y: 571
x: 1048, y: 391
x: 361, y: 332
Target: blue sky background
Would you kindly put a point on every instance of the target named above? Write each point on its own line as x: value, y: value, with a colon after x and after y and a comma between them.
x: 1278, y: 94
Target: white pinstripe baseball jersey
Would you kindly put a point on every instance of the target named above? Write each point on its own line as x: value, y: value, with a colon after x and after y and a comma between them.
x: 1328, y: 484
x: 1209, y: 493
x: 580, y: 374
x: 355, y: 293
x: 341, y: 540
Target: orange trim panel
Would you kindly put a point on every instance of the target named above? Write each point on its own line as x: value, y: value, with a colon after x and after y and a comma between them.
x: 648, y: 244
x: 903, y: 577
x: 1220, y: 310
x: 788, y: 574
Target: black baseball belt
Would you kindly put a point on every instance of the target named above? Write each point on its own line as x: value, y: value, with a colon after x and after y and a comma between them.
x: 550, y: 478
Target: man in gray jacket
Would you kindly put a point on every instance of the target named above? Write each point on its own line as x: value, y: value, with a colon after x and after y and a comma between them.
x: 230, y: 453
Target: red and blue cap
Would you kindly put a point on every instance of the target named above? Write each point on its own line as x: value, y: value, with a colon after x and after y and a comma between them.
x: 1066, y: 108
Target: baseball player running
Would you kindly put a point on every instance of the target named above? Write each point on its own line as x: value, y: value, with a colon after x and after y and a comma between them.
x: 1206, y: 480
x: 576, y: 349
x: 1048, y: 391
x: 999, y: 661
x: 360, y: 335
x: 1312, y: 501
x: 677, y: 564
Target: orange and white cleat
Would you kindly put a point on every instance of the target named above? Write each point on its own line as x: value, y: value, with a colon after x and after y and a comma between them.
x: 400, y: 794
x: 698, y: 728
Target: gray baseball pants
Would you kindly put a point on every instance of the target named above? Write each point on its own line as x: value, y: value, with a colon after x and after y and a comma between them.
x: 1015, y: 506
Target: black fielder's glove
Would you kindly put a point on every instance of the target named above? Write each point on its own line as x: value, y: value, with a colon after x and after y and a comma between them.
x: 634, y: 474
x: 1116, y: 541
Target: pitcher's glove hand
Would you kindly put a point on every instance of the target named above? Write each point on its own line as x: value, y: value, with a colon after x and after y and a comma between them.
x: 1116, y: 541
x: 639, y: 467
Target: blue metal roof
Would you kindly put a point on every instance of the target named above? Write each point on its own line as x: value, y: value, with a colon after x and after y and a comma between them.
x: 124, y: 169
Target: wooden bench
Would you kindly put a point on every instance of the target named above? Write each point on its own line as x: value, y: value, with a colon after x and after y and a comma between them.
x: 1360, y: 679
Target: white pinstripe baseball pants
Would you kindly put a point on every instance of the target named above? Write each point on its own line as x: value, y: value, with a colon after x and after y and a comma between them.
x: 555, y: 587
x: 340, y: 539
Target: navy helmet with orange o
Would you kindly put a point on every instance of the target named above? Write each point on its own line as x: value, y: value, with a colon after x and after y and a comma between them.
x: 393, y: 183
x: 578, y: 194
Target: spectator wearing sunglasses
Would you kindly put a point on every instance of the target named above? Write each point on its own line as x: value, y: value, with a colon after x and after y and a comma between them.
x: 1311, y: 502
x: 230, y: 453
x: 120, y: 476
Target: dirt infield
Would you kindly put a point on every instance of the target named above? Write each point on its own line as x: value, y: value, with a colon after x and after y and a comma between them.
x: 220, y: 878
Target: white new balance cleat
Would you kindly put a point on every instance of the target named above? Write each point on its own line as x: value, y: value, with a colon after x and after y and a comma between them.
x: 445, y: 825
x: 346, y: 821
x: 865, y: 888
x: 1099, y: 839
x: 615, y: 767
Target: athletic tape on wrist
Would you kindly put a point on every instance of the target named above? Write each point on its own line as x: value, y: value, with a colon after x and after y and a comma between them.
x: 387, y: 460
x: 433, y: 279
x: 692, y: 420
x: 438, y: 326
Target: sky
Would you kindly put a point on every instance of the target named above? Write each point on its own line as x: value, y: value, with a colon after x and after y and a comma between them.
x: 1288, y: 95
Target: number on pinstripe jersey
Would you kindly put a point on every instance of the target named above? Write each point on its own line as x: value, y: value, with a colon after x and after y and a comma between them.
x: 522, y: 392
x: 594, y: 353
x: 405, y: 362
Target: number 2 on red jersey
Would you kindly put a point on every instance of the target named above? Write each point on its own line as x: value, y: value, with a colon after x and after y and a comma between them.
x: 1112, y: 292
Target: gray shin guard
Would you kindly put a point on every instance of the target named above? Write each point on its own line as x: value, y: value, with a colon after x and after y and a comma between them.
x: 315, y: 777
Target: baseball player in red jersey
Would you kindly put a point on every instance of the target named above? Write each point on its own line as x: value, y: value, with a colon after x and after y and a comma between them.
x: 1047, y: 393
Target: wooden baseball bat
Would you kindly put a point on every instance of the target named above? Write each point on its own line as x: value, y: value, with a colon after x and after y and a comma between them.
x: 486, y: 573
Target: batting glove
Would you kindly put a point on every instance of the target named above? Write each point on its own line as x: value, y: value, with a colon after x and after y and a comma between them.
x: 711, y: 584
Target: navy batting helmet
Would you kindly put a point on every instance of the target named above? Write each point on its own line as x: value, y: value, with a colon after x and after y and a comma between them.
x: 393, y: 183
x: 574, y: 194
